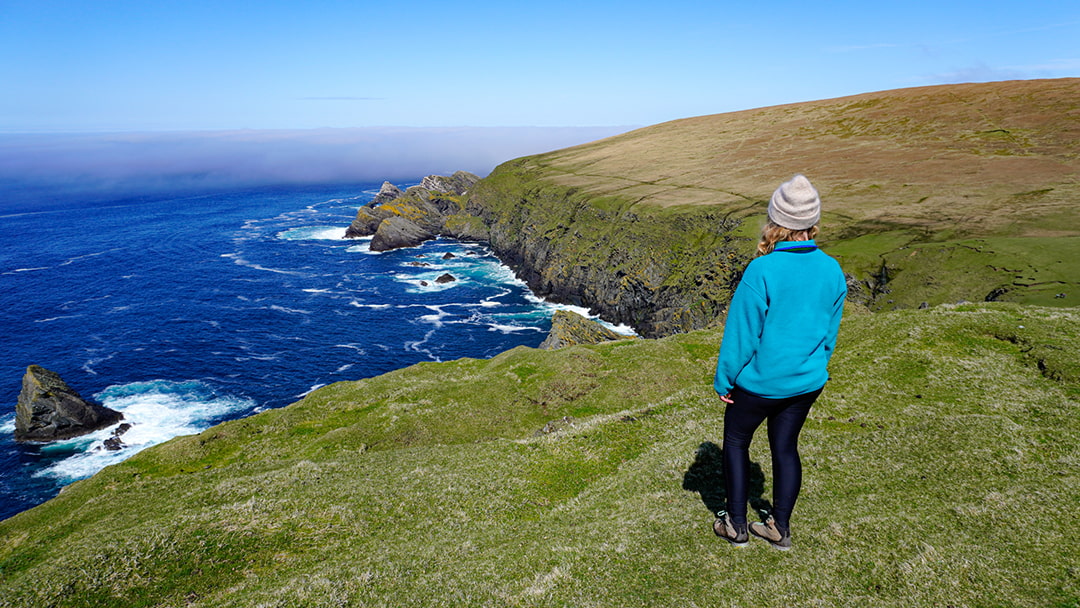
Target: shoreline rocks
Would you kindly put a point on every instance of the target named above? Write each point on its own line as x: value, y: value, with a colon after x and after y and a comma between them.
x: 569, y: 328
x: 48, y: 409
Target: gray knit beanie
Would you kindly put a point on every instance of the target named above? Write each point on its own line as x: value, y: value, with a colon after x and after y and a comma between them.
x: 795, y: 204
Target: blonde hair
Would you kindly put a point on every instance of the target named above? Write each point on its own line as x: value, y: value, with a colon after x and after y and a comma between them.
x: 772, y: 233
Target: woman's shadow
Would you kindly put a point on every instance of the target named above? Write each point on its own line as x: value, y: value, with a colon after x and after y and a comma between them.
x: 706, y: 477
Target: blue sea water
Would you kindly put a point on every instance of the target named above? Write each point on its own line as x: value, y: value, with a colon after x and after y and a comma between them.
x: 184, y: 312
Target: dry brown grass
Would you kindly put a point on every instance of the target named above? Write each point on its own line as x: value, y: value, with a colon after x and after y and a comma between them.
x: 994, y: 158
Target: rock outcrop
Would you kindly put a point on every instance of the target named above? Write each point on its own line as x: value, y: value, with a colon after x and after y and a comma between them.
x: 114, y: 443
x: 387, y: 193
x: 569, y: 328
x: 366, y: 222
x: 405, y: 219
x: 396, y: 232
x: 49, y: 409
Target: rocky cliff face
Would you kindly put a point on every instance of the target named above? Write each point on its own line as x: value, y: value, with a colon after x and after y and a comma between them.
x: 658, y: 270
x: 49, y: 409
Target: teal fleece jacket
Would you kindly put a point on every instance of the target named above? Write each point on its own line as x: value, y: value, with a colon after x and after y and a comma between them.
x: 782, y: 323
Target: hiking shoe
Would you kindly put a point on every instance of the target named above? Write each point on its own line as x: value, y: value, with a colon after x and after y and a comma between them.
x: 770, y: 532
x: 726, y: 530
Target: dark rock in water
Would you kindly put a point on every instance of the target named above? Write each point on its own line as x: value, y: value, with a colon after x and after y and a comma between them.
x: 569, y: 328
x: 114, y: 443
x: 49, y: 409
x: 419, y: 264
x: 448, y: 256
x: 424, y: 283
x: 397, y: 232
x: 446, y: 278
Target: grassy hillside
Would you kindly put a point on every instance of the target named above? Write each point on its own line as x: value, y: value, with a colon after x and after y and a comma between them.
x: 940, y: 471
x: 934, y: 194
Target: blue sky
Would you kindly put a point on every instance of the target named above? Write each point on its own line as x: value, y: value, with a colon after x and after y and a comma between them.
x: 122, y: 65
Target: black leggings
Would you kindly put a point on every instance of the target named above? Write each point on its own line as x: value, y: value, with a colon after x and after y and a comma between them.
x: 786, y: 418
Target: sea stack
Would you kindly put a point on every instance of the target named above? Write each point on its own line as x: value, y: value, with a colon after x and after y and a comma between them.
x: 396, y: 219
x: 48, y: 409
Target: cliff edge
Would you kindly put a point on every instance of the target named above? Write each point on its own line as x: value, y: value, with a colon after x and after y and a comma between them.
x: 931, y: 195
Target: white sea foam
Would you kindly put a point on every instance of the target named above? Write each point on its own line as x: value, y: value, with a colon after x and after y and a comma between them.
x: 313, y: 388
x: 157, y: 411
x: 88, y: 255
x: 416, y: 346
x: 437, y: 318
x: 364, y: 247
x: 549, y: 308
x: 371, y: 306
x: 51, y: 319
x: 88, y: 365
x: 313, y: 233
x: 295, y: 311
x: 240, y: 261
x: 359, y: 349
x: 7, y: 424
x: 511, y: 329
x: 257, y: 358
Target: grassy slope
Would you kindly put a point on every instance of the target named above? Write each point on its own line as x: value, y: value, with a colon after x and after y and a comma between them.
x: 940, y: 470
x: 997, y: 162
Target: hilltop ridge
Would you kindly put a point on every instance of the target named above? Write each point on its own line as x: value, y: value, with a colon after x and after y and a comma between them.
x: 651, y: 227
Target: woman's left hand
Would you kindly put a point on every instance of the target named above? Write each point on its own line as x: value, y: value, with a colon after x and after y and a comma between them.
x: 727, y: 398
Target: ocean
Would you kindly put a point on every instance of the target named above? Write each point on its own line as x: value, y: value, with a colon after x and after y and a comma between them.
x: 186, y: 311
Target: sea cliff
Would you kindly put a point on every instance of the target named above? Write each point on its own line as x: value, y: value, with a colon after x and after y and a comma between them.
x: 659, y: 270
x: 931, y: 195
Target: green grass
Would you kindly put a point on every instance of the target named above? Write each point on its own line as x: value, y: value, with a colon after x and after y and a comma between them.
x: 940, y: 469
x: 1030, y: 270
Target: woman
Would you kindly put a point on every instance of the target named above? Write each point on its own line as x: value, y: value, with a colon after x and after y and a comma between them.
x: 779, y: 335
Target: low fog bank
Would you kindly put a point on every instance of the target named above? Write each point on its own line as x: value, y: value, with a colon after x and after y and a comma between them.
x: 36, y: 169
